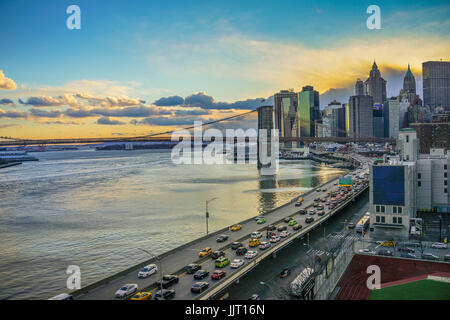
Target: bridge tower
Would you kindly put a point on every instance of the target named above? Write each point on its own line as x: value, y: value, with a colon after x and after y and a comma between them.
x: 266, y: 121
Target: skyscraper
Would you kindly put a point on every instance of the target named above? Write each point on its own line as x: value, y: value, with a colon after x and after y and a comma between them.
x: 360, y: 116
x: 375, y: 85
x: 436, y: 84
x: 286, y: 115
x: 359, y: 88
x: 409, y: 82
x: 309, y: 111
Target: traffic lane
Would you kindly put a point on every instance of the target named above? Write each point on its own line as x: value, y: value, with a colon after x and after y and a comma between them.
x: 177, y: 261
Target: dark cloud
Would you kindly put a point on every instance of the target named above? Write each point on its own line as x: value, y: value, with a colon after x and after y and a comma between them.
x: 136, y: 112
x: 108, y: 121
x: 12, y: 114
x: 45, y: 114
x: 165, y: 121
x: 78, y: 113
x: 6, y: 101
x: 169, y: 101
x: 205, y: 101
x: 42, y: 101
x: 197, y: 112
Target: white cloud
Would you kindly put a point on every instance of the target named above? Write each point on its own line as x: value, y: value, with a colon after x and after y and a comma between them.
x: 6, y: 83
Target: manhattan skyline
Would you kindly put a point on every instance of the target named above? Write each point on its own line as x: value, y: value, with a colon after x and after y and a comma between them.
x: 138, y: 67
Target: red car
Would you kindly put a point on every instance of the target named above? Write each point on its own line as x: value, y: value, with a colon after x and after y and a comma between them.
x: 218, y: 274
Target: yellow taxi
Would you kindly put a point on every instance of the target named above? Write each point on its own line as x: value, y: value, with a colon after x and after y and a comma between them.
x: 236, y: 227
x: 205, y: 252
x: 142, y: 296
x: 254, y: 243
x: 388, y: 243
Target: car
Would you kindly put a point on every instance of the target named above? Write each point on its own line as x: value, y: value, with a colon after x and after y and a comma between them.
x: 429, y: 256
x: 259, y: 218
x: 447, y: 257
x: 385, y: 252
x: 222, y: 238
x: 191, y: 268
x: 264, y: 245
x: 236, y: 263
x: 62, y: 296
x: 167, y: 281
x: 236, y: 245
x: 368, y: 251
x: 299, y: 202
x: 287, y: 219
x: 274, y: 239
x: 256, y: 235
x: 222, y: 262
x: 281, y: 228
x: 236, y: 227
x: 284, y: 234
x: 406, y: 249
x: 166, y: 294
x: 147, y: 271
x: 292, y: 223
x: 271, y: 228
x: 309, y: 219
x: 270, y: 234
x: 318, y: 190
x: 312, y: 212
x: 317, y: 199
x: 218, y: 274
x: 261, y: 221
x: 408, y: 255
x: 297, y: 227
x: 205, y: 252
x: 284, y: 273
x: 351, y: 225
x: 199, y: 287
x: 251, y: 254
x: 241, y: 251
x: 302, y: 212
x: 126, y: 290
x: 324, y: 189
x: 200, y: 274
x: 335, y: 184
x: 254, y: 297
x: 320, y: 207
x: 142, y: 296
x: 388, y: 243
x: 254, y: 242
x: 217, y: 254
x: 439, y: 245
x: 320, y: 213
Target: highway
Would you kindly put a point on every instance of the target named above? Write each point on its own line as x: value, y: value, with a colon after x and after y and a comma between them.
x: 178, y: 259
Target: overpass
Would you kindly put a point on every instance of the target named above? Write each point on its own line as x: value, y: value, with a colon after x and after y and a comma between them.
x: 174, y: 261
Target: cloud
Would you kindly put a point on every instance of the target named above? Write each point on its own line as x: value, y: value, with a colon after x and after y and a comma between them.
x: 78, y: 113
x: 193, y: 112
x: 137, y: 112
x: 108, y: 121
x: 43, y: 101
x: 7, y: 101
x: 6, y: 83
x: 165, y: 121
x: 169, y: 101
x: 12, y: 114
x: 45, y: 114
x: 205, y: 101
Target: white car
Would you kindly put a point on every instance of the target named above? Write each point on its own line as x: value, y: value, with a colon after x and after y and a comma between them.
x: 368, y: 251
x: 439, y: 245
x: 236, y: 263
x: 284, y: 234
x: 264, y: 245
x: 251, y: 254
x: 126, y: 290
x: 274, y: 239
x: 256, y: 234
x: 147, y: 271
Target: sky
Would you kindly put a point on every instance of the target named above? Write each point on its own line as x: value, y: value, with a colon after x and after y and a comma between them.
x: 139, y: 67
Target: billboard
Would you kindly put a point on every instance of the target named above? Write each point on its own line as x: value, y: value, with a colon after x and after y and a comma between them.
x: 389, y: 185
x: 345, y: 182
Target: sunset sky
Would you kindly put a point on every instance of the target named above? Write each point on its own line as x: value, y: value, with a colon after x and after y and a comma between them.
x: 137, y: 67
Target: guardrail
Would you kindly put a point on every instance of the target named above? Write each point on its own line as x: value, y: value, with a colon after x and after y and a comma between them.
x: 273, y: 249
x: 106, y: 280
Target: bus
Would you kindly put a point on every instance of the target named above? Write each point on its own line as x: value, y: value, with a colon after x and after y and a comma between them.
x: 363, y: 224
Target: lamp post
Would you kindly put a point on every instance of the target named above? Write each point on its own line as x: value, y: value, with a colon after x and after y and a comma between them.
x: 207, y: 213
x: 160, y: 266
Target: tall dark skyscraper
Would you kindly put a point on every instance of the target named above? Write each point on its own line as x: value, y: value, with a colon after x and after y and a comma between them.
x: 286, y: 115
x: 309, y: 111
x: 436, y: 84
x: 360, y: 116
x: 375, y: 85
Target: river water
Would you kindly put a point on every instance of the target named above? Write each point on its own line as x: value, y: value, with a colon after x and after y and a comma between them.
x: 94, y: 209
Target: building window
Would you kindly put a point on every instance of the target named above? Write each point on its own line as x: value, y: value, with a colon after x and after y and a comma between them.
x: 394, y: 220
x: 377, y: 208
x: 382, y: 219
x: 419, y: 176
x: 378, y: 218
x: 400, y: 209
x: 419, y: 183
x: 445, y: 174
x: 394, y: 209
x: 445, y: 190
x: 382, y: 209
x: 445, y: 182
x: 407, y: 138
x: 399, y: 220
x: 445, y: 167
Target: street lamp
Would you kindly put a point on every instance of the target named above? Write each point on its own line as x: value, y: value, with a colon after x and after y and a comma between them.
x: 160, y: 266
x: 207, y: 213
